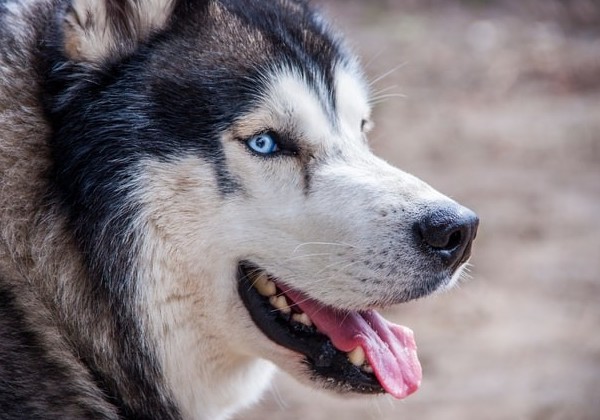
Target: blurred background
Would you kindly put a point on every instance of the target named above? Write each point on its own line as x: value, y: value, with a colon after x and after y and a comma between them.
x: 496, y: 104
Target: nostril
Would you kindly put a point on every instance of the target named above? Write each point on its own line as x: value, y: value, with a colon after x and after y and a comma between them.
x: 447, y: 231
x: 454, y: 240
x: 441, y: 237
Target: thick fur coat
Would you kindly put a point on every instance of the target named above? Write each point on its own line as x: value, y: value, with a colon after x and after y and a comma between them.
x: 150, y: 153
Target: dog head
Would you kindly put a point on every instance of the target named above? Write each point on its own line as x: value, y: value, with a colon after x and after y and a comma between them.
x: 217, y: 153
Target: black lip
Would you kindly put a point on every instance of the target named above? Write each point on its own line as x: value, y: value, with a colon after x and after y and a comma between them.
x: 328, y: 364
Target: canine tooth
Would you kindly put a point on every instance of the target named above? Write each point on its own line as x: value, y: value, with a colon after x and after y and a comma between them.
x: 265, y: 286
x: 303, y: 319
x: 357, y: 356
x: 280, y: 302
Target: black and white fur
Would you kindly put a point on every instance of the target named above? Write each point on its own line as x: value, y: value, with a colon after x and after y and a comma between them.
x: 128, y: 197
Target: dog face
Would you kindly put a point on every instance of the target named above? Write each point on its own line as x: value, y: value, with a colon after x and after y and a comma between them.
x: 326, y: 212
x: 234, y: 144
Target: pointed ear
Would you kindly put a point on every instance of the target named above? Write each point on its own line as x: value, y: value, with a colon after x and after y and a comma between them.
x: 97, y: 31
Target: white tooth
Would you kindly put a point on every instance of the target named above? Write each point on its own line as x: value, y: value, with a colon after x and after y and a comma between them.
x: 280, y: 302
x: 357, y: 356
x: 274, y: 301
x: 303, y: 319
x: 367, y: 368
x: 265, y: 286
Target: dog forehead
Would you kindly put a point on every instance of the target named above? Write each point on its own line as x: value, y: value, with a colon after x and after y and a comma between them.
x: 260, y: 33
x: 351, y: 98
x: 299, y: 105
x: 315, y: 110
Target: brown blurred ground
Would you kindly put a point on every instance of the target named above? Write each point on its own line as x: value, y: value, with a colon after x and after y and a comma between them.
x: 501, y: 111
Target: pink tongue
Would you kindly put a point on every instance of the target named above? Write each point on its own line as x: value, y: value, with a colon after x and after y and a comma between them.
x: 390, y: 348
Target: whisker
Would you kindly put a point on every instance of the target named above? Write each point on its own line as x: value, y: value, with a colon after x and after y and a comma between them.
x: 387, y: 73
x: 296, y: 303
x: 376, y: 412
x: 383, y: 90
x: 278, y: 397
x: 374, y: 57
x: 380, y: 98
x: 297, y: 257
x: 346, y: 314
x: 322, y: 243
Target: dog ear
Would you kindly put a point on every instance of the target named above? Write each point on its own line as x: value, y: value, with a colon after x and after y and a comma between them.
x: 97, y: 31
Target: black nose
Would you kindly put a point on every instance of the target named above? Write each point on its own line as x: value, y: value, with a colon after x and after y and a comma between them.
x: 448, y: 231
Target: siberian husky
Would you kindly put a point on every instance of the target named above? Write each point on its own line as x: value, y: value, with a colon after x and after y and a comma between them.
x: 188, y: 200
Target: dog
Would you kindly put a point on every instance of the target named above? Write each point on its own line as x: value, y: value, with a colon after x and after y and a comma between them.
x: 188, y: 201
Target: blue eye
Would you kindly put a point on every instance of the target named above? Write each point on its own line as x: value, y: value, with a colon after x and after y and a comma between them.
x: 263, y: 144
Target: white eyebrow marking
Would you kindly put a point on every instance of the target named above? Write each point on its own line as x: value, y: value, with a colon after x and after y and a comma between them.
x: 352, y: 101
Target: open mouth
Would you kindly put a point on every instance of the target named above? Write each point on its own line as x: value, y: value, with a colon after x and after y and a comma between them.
x: 350, y: 351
